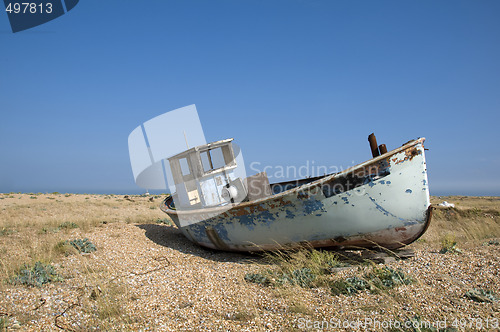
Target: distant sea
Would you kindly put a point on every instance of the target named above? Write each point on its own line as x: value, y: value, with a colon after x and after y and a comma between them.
x: 140, y: 191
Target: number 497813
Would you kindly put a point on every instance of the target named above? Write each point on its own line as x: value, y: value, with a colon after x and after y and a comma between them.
x: 29, y: 7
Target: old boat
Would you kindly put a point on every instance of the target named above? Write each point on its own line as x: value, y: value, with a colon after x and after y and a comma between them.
x: 383, y: 202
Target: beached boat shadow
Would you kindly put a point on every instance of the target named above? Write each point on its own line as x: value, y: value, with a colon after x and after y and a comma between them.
x: 171, y: 237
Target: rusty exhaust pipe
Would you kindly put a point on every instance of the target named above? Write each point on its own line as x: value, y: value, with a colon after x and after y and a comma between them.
x: 373, y: 145
x: 382, y: 148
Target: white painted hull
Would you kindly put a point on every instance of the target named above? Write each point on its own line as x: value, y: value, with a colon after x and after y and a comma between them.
x: 386, y: 204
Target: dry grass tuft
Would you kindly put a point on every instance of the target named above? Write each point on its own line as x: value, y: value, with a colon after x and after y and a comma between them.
x: 472, y: 220
x: 306, y: 267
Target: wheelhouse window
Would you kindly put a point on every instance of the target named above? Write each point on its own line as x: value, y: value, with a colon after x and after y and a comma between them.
x: 184, y: 166
x: 212, y: 159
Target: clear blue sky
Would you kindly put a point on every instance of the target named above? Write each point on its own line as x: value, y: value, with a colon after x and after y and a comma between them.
x: 290, y: 80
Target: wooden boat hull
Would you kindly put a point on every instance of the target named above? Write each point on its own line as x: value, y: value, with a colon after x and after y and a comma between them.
x: 382, y: 202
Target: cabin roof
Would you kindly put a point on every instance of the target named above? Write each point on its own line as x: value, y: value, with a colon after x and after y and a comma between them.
x: 201, y: 148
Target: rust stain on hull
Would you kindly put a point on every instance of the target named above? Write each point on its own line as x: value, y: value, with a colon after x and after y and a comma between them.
x: 215, y: 239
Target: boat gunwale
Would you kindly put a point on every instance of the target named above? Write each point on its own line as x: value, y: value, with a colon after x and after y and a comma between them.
x: 306, y: 186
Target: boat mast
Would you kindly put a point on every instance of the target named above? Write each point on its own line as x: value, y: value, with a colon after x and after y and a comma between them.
x: 185, y: 138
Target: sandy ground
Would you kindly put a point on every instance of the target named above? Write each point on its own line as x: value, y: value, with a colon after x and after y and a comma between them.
x: 145, y: 275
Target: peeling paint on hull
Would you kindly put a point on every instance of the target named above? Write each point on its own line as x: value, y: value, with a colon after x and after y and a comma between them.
x: 382, y: 202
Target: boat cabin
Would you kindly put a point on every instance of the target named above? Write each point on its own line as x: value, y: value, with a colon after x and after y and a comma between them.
x: 204, y: 176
